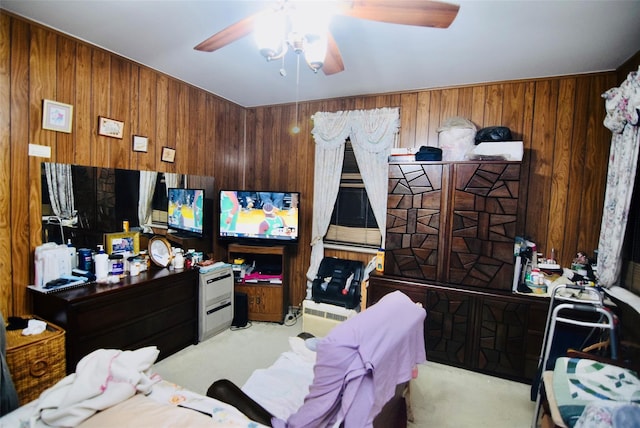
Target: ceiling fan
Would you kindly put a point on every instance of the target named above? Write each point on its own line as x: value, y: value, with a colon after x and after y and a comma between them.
x: 423, y: 13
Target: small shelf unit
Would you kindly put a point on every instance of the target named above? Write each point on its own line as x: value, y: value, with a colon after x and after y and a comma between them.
x: 267, y: 300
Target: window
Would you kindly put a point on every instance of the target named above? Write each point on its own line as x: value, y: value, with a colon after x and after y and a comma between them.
x: 353, y: 222
x: 159, y: 203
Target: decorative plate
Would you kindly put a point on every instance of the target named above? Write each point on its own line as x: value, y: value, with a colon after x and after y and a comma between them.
x: 160, y: 251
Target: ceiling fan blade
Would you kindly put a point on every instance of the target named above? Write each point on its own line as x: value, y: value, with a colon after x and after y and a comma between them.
x: 229, y: 35
x: 407, y: 12
x: 333, y: 60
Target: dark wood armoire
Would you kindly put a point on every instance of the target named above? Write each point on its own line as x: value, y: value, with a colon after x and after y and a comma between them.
x: 451, y: 228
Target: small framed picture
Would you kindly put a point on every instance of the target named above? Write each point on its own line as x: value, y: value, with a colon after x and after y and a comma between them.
x: 168, y: 155
x: 57, y: 116
x: 116, y: 243
x: 110, y: 128
x: 140, y: 143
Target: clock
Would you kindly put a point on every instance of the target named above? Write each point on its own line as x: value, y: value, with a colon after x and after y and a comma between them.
x: 160, y: 251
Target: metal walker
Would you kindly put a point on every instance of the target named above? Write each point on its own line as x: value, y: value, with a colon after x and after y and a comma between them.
x: 587, y: 300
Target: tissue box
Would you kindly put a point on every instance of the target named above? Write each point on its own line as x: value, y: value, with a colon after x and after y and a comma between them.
x: 36, y: 362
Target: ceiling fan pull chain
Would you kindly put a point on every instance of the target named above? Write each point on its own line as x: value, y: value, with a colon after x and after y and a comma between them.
x: 296, y: 128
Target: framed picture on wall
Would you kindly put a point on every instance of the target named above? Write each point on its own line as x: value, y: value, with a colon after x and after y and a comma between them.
x: 168, y: 155
x: 140, y: 143
x: 57, y: 116
x: 110, y: 127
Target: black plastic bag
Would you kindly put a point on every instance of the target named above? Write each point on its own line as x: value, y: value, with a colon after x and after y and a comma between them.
x: 428, y: 153
x: 493, y: 134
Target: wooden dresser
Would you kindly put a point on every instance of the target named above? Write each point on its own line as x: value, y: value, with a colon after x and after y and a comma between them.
x: 158, y: 307
x: 492, y: 332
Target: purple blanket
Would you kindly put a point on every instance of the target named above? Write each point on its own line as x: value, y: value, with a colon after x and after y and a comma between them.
x: 360, y: 362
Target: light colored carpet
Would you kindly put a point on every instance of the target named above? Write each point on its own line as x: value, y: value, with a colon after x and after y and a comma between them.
x: 441, y: 396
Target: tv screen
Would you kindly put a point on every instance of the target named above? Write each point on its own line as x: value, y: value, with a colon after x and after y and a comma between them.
x: 186, y: 211
x: 259, y: 216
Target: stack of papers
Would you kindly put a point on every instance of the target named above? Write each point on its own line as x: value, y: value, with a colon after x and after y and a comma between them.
x: 63, y: 283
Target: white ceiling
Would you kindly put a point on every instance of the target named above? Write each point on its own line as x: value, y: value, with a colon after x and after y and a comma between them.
x: 488, y: 41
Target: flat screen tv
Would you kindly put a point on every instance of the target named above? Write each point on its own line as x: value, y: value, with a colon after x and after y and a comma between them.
x: 262, y: 217
x: 185, y: 211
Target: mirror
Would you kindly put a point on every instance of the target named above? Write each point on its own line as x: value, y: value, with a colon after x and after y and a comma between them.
x: 82, y: 203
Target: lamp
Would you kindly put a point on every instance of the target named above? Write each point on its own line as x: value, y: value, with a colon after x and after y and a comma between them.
x: 302, y: 27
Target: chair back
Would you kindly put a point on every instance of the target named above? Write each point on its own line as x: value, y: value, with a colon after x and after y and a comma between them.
x: 361, y: 361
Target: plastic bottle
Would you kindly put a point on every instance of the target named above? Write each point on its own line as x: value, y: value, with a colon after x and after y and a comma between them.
x: 178, y: 259
x: 85, y: 261
x: 73, y: 254
x: 134, y: 267
x: 145, y: 261
x: 116, y: 263
x: 101, y: 263
x: 380, y: 260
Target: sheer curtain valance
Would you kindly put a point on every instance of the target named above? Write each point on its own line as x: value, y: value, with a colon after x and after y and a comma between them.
x: 372, y: 133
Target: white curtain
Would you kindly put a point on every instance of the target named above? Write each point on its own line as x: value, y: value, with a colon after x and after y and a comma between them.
x: 147, y: 187
x: 372, y: 134
x: 372, y: 137
x: 60, y: 186
x: 622, y: 106
x: 330, y: 131
x: 171, y: 180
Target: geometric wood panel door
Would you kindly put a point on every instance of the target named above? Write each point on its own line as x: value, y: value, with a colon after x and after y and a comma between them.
x: 503, y: 337
x: 483, y: 228
x: 453, y: 222
x: 413, y: 220
x: 449, y: 327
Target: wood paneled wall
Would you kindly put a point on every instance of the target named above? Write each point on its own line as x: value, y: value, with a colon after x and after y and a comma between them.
x: 37, y: 63
x: 559, y: 120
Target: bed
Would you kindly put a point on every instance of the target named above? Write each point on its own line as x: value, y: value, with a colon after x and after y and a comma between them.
x: 358, y: 375
x: 120, y: 388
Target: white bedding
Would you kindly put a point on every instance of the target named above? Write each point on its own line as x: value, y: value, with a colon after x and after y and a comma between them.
x: 281, y: 388
x: 113, y: 385
x: 162, y: 408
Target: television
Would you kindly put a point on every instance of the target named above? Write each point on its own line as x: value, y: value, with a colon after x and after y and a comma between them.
x: 186, y: 212
x: 259, y: 216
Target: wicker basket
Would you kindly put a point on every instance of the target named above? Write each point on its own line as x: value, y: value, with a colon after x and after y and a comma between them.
x: 37, y: 361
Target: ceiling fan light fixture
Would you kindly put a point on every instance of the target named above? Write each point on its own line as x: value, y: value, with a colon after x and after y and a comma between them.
x: 270, y: 34
x: 315, y: 52
x: 309, y: 23
x: 307, y: 19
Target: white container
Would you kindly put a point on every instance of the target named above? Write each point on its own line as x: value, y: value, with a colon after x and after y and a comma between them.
x: 101, y: 264
x: 73, y: 254
x: 134, y: 268
x: 178, y: 259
